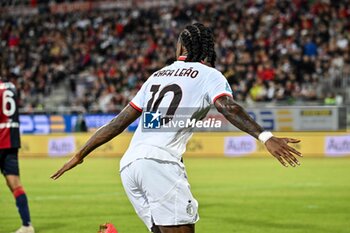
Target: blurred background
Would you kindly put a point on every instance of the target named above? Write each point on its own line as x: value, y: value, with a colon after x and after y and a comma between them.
x: 76, y: 64
x: 93, y: 56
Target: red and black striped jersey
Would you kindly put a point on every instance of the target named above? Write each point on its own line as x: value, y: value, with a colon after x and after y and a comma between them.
x: 9, y: 120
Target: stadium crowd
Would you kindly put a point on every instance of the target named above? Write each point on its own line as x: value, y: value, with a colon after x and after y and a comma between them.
x: 268, y: 50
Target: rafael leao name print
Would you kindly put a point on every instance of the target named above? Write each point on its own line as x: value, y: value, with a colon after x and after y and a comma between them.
x: 181, y: 72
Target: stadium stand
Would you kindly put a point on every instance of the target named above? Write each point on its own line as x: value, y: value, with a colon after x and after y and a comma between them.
x: 96, y: 60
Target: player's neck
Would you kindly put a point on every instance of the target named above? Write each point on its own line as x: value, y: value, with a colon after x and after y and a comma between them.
x: 183, y: 58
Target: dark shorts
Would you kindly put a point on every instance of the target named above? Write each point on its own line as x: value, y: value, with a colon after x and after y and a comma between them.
x: 9, y: 161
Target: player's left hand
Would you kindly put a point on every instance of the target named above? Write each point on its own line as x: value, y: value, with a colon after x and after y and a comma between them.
x: 284, y: 153
x: 74, y: 161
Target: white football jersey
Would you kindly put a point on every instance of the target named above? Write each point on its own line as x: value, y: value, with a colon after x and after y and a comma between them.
x: 182, y: 85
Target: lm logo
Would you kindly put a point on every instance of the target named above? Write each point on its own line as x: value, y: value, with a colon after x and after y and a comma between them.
x: 151, y: 120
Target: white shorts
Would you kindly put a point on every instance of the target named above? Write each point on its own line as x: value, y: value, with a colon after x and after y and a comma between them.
x: 160, y: 193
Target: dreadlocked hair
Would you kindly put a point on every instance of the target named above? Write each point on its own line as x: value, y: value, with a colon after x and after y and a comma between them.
x: 199, y: 43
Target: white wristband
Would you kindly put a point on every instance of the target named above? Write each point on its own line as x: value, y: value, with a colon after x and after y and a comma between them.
x: 264, y: 136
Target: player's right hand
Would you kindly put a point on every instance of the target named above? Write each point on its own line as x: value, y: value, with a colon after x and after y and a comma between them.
x: 74, y: 161
x: 284, y: 153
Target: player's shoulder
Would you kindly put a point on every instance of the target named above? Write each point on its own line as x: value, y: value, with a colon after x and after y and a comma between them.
x: 157, y: 72
x: 212, y: 73
x: 173, y: 65
x: 153, y: 77
x: 165, y: 71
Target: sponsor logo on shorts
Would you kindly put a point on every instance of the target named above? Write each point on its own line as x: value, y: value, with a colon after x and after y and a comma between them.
x: 190, y: 209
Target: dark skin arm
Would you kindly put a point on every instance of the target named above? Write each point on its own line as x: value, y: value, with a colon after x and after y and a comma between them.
x: 278, y: 147
x: 100, y: 137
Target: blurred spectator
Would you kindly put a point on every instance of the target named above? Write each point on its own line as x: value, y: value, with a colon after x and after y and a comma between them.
x: 258, y: 91
x: 80, y: 125
x: 310, y: 48
x: 330, y: 99
x: 266, y: 73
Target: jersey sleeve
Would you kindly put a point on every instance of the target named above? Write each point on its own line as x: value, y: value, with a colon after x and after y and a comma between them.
x: 138, y: 101
x: 217, y: 87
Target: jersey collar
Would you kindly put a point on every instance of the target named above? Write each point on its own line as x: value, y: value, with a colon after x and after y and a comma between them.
x: 181, y: 58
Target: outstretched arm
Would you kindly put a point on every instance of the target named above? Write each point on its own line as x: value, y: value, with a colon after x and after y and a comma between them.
x: 278, y: 147
x: 104, y: 134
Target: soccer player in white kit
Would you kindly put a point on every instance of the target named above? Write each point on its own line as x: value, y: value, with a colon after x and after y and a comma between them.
x: 152, y: 171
